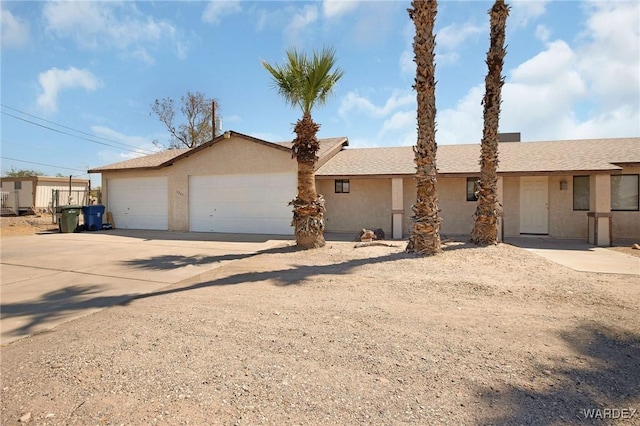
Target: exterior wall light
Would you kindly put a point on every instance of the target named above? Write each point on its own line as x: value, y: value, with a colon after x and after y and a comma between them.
x: 563, y: 185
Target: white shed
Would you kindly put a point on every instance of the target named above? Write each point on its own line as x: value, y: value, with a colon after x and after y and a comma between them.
x: 36, y: 193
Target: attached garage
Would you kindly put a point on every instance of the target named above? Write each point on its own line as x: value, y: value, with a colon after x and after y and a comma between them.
x: 256, y: 204
x: 139, y: 203
x: 234, y: 183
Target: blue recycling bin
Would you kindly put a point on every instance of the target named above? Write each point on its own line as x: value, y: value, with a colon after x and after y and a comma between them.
x: 93, y: 217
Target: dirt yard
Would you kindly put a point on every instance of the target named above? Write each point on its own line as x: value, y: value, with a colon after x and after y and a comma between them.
x: 345, y: 335
x: 26, y: 225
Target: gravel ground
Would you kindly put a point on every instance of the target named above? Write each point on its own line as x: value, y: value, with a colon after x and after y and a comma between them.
x: 345, y: 335
x: 13, y: 226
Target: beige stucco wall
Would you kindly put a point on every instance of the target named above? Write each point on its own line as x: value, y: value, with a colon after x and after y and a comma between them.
x: 456, y: 212
x: 367, y: 205
x: 511, y: 206
x: 564, y: 222
x: 229, y: 156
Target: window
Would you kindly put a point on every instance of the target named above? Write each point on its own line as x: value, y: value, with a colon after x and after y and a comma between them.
x: 17, y: 184
x: 472, y: 187
x: 624, y: 192
x: 581, y: 193
x: 342, y: 186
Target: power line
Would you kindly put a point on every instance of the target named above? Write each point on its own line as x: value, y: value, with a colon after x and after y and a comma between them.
x: 124, y: 146
x: 42, y: 164
x: 65, y: 127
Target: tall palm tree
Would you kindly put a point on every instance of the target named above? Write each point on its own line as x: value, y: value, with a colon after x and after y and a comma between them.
x: 304, y: 82
x: 485, y: 229
x: 425, y: 237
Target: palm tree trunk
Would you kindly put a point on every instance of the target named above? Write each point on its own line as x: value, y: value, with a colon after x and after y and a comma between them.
x: 308, y: 206
x: 485, y: 229
x: 425, y: 237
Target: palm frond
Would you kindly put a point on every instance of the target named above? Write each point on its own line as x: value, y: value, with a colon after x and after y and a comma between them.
x: 304, y: 81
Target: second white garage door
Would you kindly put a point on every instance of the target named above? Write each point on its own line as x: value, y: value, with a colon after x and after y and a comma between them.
x: 139, y: 203
x: 247, y: 204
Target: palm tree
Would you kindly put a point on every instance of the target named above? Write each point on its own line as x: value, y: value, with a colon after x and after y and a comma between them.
x: 425, y: 237
x: 485, y: 229
x: 304, y: 82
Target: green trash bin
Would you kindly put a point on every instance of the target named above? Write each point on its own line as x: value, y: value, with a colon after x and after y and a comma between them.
x: 69, y: 218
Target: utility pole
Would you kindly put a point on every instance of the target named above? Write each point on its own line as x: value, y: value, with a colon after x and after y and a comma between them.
x: 213, y: 119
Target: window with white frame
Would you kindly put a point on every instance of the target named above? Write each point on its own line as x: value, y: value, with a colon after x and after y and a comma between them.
x: 624, y: 192
x: 581, y: 193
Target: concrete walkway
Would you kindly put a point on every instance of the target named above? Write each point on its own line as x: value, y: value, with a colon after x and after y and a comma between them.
x: 579, y: 255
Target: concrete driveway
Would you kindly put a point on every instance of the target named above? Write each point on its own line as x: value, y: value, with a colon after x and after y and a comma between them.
x: 49, y: 279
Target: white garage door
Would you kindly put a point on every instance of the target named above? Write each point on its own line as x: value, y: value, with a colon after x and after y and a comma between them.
x: 248, y: 204
x: 139, y: 203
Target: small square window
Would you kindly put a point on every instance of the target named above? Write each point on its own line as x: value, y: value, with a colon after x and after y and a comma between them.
x: 17, y: 184
x: 472, y: 188
x: 342, y: 186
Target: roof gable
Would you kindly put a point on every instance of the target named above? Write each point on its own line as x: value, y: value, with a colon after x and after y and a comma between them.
x: 328, y: 147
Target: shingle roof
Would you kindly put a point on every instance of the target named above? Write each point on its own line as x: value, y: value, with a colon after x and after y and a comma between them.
x: 514, y: 157
x: 146, y: 162
x: 168, y: 157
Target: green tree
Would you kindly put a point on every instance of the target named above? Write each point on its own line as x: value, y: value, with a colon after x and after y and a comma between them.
x: 23, y: 173
x: 485, y: 229
x: 425, y: 236
x: 197, y: 112
x: 304, y: 82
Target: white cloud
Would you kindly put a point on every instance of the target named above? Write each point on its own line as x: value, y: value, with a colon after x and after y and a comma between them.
x: 353, y: 102
x: 216, y: 10
x: 453, y: 36
x: 300, y: 21
x: 537, y: 100
x: 55, y: 80
x: 588, y: 90
x: 94, y: 25
x: 462, y: 124
x: 335, y: 8
x: 448, y: 40
x: 141, y: 145
x: 525, y: 11
x: 397, y: 114
x: 143, y: 55
x: 542, y: 33
x: 610, y: 55
x: 15, y: 31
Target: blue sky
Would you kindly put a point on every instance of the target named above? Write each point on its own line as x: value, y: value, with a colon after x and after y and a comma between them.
x: 572, y: 71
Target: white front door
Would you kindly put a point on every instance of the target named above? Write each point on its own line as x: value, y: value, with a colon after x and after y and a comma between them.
x: 534, y: 205
x: 245, y: 204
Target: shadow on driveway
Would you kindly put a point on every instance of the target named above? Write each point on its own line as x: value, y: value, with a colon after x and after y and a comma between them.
x: 55, y: 305
x: 150, y: 235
